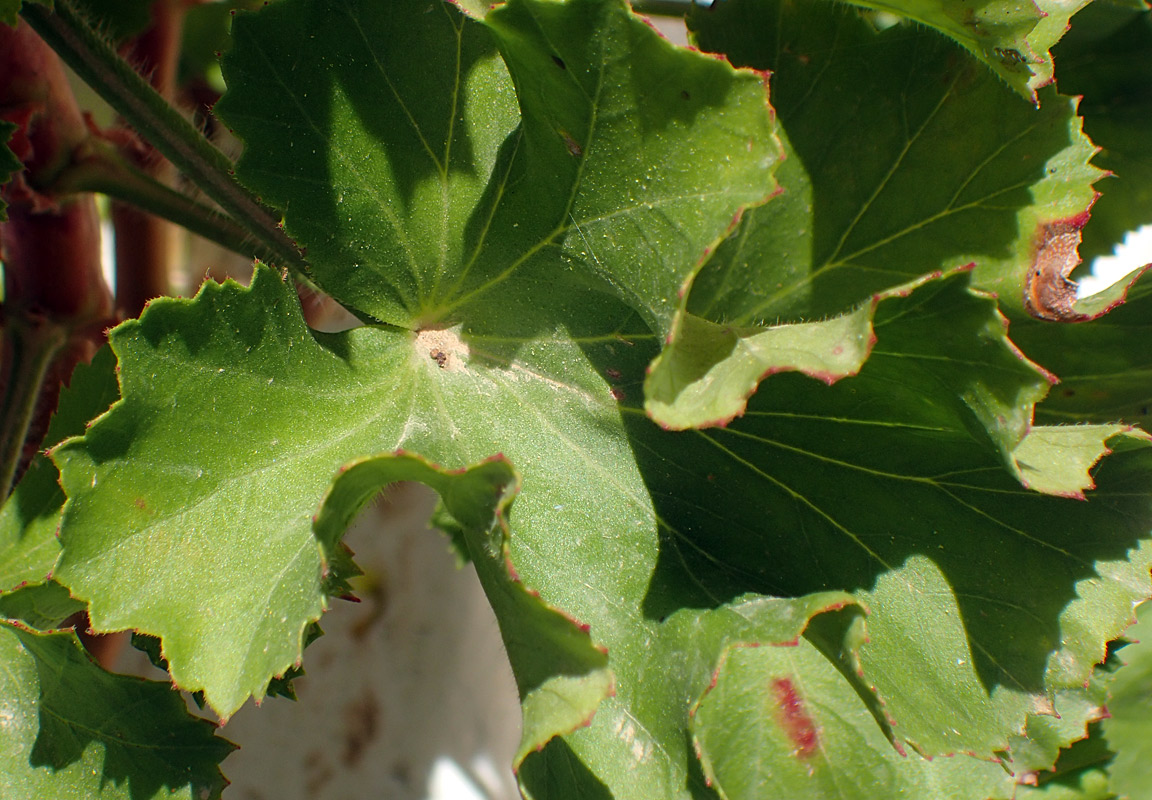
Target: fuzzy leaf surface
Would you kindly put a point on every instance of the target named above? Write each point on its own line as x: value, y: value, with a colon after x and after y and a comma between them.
x: 73, y: 731
x: 905, y: 157
x: 417, y: 183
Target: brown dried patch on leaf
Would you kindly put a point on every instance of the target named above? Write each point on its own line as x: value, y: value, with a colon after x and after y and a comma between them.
x: 1048, y: 292
x: 443, y: 346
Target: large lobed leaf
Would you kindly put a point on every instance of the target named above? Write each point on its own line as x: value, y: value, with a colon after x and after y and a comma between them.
x: 635, y: 563
x: 905, y: 157
x: 416, y: 185
x: 73, y: 731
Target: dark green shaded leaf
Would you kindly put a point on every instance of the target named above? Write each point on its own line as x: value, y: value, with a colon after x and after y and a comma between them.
x: 1104, y: 366
x: 404, y: 172
x: 1011, y: 38
x: 808, y: 484
x: 1107, y: 58
x: 905, y: 157
x: 74, y: 731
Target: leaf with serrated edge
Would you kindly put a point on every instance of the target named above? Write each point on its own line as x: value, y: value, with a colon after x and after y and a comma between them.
x: 1104, y: 366
x: 958, y: 631
x: 1011, y: 38
x: 42, y: 605
x: 706, y: 373
x: 1042, y: 752
x: 1107, y: 58
x: 905, y: 157
x: 783, y: 722
x: 73, y: 731
x: 412, y: 198
x: 1128, y: 730
x: 561, y: 676
x: 31, y: 514
x: 235, y: 418
x: 1058, y: 459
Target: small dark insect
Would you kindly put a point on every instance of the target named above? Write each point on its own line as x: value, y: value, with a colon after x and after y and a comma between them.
x: 684, y: 94
x: 1010, y: 58
x: 559, y: 62
x: 618, y: 393
x: 440, y: 357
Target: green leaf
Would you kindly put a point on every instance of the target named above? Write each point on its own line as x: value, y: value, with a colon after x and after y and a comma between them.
x: 1042, y: 755
x: 560, y: 675
x: 43, y: 605
x: 1080, y: 774
x: 632, y: 556
x: 905, y: 157
x: 1107, y: 58
x: 256, y: 377
x: 689, y: 386
x: 958, y: 631
x: 30, y: 517
x: 783, y: 722
x: 10, y: 11
x: 1058, y: 459
x: 1104, y: 366
x: 406, y: 175
x: 1128, y: 730
x: 73, y: 730
x: 1011, y: 38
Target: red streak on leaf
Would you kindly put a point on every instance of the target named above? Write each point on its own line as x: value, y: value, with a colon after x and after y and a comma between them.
x: 794, y: 719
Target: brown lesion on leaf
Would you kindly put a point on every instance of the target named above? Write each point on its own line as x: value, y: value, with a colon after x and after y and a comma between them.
x: 1048, y: 292
x: 443, y: 346
x: 794, y: 719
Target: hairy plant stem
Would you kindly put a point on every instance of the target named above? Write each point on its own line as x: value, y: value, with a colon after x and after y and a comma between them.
x: 99, y: 65
x: 109, y: 174
x: 30, y: 345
